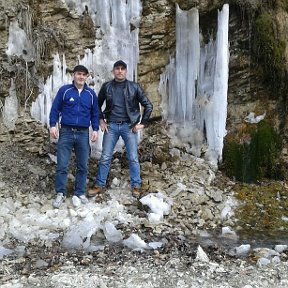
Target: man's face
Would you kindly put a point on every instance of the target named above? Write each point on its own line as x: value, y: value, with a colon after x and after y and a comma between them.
x: 80, y: 78
x: 120, y: 73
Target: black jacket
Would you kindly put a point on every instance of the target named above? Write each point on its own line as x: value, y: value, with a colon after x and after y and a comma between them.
x: 134, y: 95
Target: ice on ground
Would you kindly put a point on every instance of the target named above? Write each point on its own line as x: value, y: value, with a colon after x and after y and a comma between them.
x: 134, y: 242
x: 159, y: 205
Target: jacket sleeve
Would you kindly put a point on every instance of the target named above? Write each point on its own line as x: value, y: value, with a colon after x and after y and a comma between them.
x: 145, y: 102
x: 95, y: 113
x: 101, y: 99
x: 56, y: 108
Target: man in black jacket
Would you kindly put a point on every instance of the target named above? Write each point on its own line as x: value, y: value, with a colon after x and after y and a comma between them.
x: 121, y: 117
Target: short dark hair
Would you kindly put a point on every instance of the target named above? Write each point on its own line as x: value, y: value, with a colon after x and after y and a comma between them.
x: 120, y: 63
x: 80, y: 68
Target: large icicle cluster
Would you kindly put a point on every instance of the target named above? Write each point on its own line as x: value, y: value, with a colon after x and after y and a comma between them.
x: 195, y: 83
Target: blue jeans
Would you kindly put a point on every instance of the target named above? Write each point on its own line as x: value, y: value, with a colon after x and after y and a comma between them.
x: 69, y: 139
x: 109, y: 141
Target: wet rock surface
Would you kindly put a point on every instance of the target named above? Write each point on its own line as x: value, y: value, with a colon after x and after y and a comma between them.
x: 196, y: 250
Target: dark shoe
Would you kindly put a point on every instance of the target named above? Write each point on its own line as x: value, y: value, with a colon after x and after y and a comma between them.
x: 94, y: 191
x: 136, y: 192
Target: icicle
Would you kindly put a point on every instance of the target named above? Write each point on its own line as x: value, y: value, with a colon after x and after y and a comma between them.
x: 57, y: 73
x: 10, y: 109
x: 183, y: 93
x: 216, y: 130
x: 119, y: 15
x: 27, y: 21
x: 19, y: 44
x: 64, y: 70
x: 102, y: 17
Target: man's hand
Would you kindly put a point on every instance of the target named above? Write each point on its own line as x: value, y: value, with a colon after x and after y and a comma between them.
x: 103, y: 125
x: 54, y: 132
x: 137, y: 127
x: 94, y: 136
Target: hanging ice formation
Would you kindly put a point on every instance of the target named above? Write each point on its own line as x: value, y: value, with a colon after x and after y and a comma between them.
x: 114, y: 40
x: 117, y: 37
x: 20, y: 40
x: 40, y: 109
x: 19, y: 44
x: 194, y: 86
x: 10, y: 110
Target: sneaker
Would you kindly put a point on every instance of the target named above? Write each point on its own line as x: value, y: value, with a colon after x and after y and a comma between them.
x: 83, y: 199
x: 94, y: 191
x: 77, y: 201
x: 58, y: 200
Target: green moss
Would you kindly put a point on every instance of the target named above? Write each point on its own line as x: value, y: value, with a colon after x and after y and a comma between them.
x: 233, y: 160
x: 262, y: 206
x: 254, y: 154
x: 265, y: 148
x: 268, y: 49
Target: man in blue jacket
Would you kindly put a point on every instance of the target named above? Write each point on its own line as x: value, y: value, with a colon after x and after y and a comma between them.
x: 121, y: 117
x: 76, y: 105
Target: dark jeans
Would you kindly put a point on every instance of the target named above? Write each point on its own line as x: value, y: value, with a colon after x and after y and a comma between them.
x: 78, y: 140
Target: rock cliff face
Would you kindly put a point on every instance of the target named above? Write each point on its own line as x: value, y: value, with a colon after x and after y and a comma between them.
x: 52, y: 28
